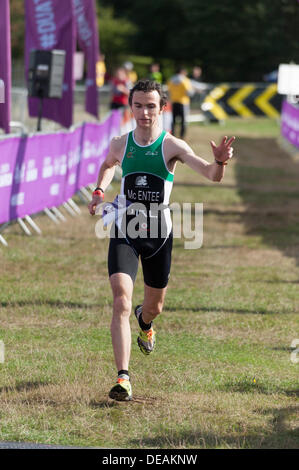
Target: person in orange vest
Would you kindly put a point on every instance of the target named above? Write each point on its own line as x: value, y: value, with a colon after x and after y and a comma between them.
x: 180, y: 89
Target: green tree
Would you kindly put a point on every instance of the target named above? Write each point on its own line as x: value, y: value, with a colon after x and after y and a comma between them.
x: 17, y: 22
x: 116, y: 35
x: 242, y: 40
x: 232, y: 39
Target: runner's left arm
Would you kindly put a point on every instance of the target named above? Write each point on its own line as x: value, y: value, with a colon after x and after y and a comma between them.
x: 213, y: 171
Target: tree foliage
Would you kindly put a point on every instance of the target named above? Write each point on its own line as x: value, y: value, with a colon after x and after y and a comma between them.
x: 231, y: 39
x: 115, y: 35
x: 17, y: 21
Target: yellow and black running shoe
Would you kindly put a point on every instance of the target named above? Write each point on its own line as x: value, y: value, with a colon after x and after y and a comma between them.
x: 121, y: 391
x: 147, y: 338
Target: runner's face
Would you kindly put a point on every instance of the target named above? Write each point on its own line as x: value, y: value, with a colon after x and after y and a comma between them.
x: 146, y: 108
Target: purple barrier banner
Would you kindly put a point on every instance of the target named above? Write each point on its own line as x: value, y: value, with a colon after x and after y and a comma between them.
x: 5, y: 64
x: 88, y: 39
x: 51, y: 25
x: 44, y: 170
x: 290, y: 123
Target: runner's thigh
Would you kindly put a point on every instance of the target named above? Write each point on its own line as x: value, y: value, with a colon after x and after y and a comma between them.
x: 122, y: 258
x: 156, y: 268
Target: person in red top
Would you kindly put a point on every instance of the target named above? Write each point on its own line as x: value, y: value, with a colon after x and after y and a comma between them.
x: 120, y: 89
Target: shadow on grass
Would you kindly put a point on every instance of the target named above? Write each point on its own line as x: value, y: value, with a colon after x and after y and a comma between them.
x: 23, y: 386
x: 221, y: 247
x: 280, y: 436
x: 110, y: 403
x: 52, y: 303
x: 262, y: 162
x: 224, y: 310
x: 278, y: 281
x: 201, y: 185
x: 103, y: 404
x: 249, y: 386
x: 85, y: 306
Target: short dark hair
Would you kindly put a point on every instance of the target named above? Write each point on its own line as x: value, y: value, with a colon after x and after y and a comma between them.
x: 146, y: 86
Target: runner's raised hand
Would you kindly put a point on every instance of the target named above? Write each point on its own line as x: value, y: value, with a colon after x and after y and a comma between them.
x: 223, y: 151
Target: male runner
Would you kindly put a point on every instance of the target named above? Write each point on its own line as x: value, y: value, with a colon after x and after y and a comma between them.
x: 147, y: 156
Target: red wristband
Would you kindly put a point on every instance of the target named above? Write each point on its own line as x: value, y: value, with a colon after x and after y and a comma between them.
x: 98, y: 192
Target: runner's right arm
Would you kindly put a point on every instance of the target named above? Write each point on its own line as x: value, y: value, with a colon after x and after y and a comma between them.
x: 107, y: 171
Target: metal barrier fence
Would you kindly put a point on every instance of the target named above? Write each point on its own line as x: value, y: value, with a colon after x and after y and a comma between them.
x: 22, y: 122
x: 213, y: 103
x: 41, y: 172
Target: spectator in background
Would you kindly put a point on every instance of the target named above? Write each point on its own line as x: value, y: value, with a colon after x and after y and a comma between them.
x: 180, y: 89
x: 120, y: 89
x: 131, y: 74
x: 155, y: 73
x: 198, y: 86
x: 271, y: 77
x: 196, y: 73
x: 100, y: 70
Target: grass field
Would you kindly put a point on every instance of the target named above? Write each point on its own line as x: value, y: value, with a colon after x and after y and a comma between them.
x: 221, y: 376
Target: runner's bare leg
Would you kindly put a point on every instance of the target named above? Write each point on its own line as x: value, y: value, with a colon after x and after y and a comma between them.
x: 153, y: 303
x: 122, y: 289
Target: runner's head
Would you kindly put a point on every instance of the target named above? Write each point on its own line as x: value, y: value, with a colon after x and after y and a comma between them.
x: 147, y: 102
x: 148, y: 86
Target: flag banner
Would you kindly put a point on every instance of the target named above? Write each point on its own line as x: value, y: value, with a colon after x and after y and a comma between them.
x: 51, y: 25
x: 44, y: 170
x: 5, y: 65
x: 88, y: 39
x: 290, y: 123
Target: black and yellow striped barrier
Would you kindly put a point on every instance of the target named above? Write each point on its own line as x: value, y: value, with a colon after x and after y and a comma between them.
x: 245, y: 100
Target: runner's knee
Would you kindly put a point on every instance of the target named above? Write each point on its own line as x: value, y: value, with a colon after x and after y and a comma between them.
x: 122, y: 306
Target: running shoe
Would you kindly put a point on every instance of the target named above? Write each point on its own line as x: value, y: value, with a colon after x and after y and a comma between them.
x: 122, y: 391
x: 147, y: 338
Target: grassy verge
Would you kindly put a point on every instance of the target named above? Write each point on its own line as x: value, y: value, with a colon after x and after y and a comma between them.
x: 222, y: 375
